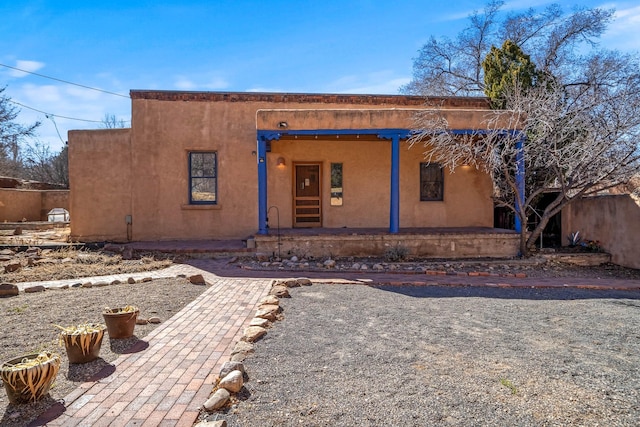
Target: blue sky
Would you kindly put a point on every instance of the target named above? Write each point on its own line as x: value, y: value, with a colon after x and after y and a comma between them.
x: 320, y: 46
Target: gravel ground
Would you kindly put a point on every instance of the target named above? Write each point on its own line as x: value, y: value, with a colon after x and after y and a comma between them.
x: 26, y: 326
x: 349, y: 355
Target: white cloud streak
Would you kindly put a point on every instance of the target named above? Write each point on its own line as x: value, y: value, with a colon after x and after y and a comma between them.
x: 28, y: 66
x: 381, y: 82
x: 66, y: 101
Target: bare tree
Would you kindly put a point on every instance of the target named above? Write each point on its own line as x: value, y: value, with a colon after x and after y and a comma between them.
x: 12, y: 136
x: 110, y: 121
x: 571, y: 120
x: 453, y: 67
x: 569, y: 139
x: 40, y: 164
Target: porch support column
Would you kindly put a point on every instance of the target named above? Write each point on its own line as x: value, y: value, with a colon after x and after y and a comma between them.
x: 394, y: 211
x: 519, y: 181
x: 262, y: 185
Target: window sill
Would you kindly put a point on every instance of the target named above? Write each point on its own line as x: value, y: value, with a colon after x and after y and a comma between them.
x: 200, y: 207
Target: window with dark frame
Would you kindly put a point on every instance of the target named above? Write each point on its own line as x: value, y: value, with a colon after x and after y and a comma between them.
x: 431, y: 182
x: 336, y: 184
x: 203, y: 178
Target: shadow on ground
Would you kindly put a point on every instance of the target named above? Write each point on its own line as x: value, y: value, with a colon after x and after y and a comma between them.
x: 551, y: 294
x: 128, y: 345
x: 91, y: 371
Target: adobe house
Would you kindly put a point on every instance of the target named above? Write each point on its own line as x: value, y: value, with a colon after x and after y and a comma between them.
x: 305, y: 174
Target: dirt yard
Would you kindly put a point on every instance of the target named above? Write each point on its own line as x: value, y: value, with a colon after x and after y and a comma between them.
x: 27, y: 326
x: 518, y: 392
x: 356, y: 356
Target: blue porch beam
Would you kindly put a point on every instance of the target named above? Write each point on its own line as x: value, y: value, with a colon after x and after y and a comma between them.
x: 263, y: 138
x: 262, y: 186
x: 394, y: 197
x: 394, y: 208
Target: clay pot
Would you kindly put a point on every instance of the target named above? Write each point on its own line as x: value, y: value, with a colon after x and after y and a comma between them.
x: 42, y: 375
x: 120, y: 324
x: 84, y: 347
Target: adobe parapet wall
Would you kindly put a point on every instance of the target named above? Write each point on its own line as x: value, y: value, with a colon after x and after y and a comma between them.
x: 288, y: 98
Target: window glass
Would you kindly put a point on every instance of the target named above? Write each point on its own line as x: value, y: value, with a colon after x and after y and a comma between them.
x: 203, y: 180
x: 336, y: 184
x: 431, y: 182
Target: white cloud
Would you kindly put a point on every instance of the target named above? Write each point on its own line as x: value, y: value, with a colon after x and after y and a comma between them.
x: 215, y: 83
x: 62, y: 104
x: 623, y: 31
x: 184, y: 84
x: 28, y: 66
x: 381, y: 82
x: 40, y: 94
x: 265, y: 89
x: 82, y: 94
x: 508, y: 6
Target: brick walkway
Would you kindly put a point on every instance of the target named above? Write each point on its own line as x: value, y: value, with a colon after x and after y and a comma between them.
x: 165, y: 384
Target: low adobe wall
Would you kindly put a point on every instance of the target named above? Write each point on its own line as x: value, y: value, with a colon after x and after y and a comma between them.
x: 435, y: 245
x: 32, y: 205
x: 612, y: 220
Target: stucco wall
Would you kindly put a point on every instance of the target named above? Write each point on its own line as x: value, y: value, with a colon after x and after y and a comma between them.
x: 144, y: 172
x: 366, y: 186
x: 100, y: 183
x: 612, y: 220
x: 32, y: 205
x: 54, y: 199
x: 15, y: 205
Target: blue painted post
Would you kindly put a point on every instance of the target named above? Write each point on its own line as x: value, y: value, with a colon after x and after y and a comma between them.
x: 394, y: 214
x: 519, y: 181
x: 262, y: 185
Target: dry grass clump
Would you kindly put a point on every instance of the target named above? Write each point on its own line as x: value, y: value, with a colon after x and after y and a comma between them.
x: 70, y: 263
x: 85, y: 335
x: 125, y: 309
x: 86, y: 257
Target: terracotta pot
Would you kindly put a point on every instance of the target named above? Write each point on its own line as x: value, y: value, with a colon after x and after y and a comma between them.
x: 42, y: 376
x: 83, y: 348
x: 120, y: 324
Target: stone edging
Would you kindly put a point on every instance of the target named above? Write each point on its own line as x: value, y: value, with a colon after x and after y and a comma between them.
x: 232, y: 375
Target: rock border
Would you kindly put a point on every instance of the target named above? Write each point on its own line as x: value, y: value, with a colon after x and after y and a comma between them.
x: 8, y: 290
x: 232, y: 376
x: 446, y: 268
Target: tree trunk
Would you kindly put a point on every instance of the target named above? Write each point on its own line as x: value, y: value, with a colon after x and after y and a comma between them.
x: 531, y: 240
x: 524, y: 250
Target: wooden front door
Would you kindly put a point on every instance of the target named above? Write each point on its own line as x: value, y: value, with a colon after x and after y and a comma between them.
x: 307, y: 204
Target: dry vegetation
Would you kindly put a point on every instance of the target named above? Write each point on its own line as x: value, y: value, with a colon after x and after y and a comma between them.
x: 69, y: 263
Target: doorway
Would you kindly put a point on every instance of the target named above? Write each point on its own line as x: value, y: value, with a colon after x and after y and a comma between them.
x: 307, y: 201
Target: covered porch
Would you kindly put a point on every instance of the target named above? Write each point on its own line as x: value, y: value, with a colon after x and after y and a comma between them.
x: 387, y: 182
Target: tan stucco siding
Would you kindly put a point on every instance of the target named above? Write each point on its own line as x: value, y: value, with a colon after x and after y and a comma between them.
x: 144, y: 172
x: 359, y: 118
x: 466, y: 202
x: 32, y: 205
x: 163, y: 135
x: 165, y: 131
x: 16, y: 205
x: 366, y: 186
x: 613, y: 220
x: 100, y: 184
